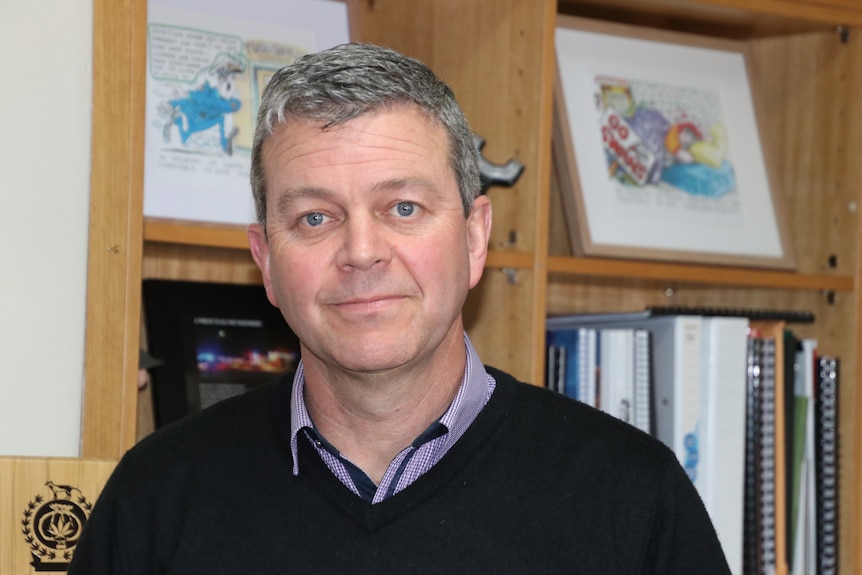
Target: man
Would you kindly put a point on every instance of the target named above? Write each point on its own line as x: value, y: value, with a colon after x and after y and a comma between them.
x: 393, y: 450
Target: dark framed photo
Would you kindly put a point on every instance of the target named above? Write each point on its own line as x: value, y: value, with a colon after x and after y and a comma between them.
x: 215, y: 341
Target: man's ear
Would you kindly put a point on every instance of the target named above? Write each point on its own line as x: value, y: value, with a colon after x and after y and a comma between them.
x: 478, y: 235
x: 260, y: 253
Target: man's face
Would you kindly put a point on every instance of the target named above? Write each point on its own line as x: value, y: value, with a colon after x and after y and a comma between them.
x: 368, y: 253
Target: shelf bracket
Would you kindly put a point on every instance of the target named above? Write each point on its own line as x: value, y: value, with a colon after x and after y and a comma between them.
x: 511, y: 275
x: 843, y: 34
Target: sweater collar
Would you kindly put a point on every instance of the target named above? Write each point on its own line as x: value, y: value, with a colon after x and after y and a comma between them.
x: 492, y: 420
x: 475, y: 389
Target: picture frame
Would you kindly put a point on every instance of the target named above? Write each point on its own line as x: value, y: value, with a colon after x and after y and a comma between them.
x: 657, y: 148
x: 207, y: 66
x: 212, y: 341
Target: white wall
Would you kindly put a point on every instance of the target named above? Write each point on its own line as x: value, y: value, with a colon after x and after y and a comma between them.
x: 45, y: 105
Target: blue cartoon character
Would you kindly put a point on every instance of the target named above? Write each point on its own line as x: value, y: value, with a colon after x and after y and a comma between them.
x: 210, y: 104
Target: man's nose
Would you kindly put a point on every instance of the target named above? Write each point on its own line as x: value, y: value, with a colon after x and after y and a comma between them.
x: 366, y: 242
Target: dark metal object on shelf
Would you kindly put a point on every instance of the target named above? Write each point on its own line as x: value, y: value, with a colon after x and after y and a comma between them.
x: 491, y: 174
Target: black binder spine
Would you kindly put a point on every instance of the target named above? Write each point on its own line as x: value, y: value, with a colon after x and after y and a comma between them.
x: 751, y: 541
x: 826, y: 474
x: 767, y: 456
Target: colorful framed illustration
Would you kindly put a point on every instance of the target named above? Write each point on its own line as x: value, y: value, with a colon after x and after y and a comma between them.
x: 207, y: 66
x: 657, y: 150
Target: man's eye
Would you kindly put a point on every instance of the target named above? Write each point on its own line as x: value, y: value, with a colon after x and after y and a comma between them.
x: 404, y: 208
x: 314, y: 219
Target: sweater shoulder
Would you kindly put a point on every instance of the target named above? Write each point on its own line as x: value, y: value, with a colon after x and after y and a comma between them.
x: 240, y: 426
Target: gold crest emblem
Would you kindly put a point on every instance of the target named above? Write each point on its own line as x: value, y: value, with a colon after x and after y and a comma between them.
x: 53, y: 526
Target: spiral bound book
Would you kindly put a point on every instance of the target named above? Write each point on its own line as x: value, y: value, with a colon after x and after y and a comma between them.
x: 752, y: 543
x: 768, y: 471
x: 763, y: 550
x: 826, y: 471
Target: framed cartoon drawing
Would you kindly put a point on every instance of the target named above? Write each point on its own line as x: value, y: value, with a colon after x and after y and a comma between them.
x: 657, y: 149
x: 207, y: 66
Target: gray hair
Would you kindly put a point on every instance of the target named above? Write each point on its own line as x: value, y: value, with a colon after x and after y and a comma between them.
x: 344, y: 82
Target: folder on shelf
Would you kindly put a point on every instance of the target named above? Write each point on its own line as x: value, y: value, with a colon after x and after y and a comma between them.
x: 617, y: 373
x: 588, y: 369
x: 805, y: 522
x: 561, y: 369
x: 643, y: 417
x: 791, y: 445
x: 724, y: 356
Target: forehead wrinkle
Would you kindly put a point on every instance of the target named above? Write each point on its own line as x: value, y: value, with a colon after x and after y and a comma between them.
x: 334, y: 154
x: 351, y: 134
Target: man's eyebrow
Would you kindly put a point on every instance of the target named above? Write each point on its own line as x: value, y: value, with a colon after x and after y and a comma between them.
x: 408, y: 182
x: 291, y: 195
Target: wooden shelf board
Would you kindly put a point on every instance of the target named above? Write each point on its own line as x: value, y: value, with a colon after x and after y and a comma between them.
x: 700, y: 274
x: 195, y: 234
x: 514, y: 260
x: 739, y: 19
x: 234, y: 237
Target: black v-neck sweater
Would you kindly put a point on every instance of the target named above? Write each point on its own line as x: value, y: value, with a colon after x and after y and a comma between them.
x: 538, y: 484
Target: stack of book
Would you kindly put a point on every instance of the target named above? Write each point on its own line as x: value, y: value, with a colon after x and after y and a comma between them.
x: 749, y: 410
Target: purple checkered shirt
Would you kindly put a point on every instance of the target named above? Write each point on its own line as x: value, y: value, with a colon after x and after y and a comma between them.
x: 414, y: 460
